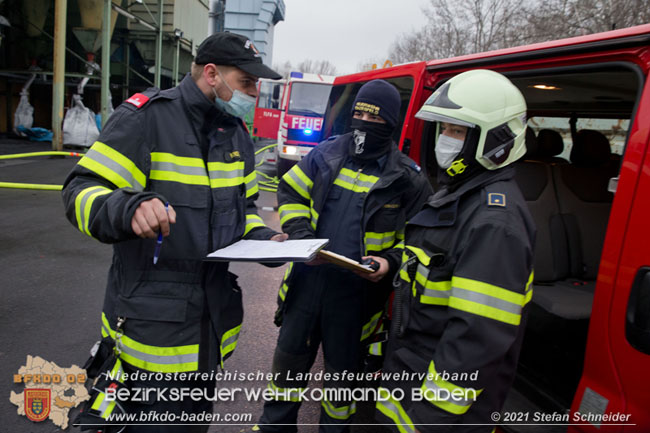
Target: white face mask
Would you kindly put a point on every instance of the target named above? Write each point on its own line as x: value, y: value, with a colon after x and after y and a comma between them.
x: 447, y: 149
x: 240, y: 103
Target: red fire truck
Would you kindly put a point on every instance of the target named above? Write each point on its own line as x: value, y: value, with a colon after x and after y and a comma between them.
x: 292, y: 111
x: 585, y: 363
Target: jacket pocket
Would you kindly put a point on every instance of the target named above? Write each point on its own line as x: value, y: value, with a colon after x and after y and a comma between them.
x: 153, y: 308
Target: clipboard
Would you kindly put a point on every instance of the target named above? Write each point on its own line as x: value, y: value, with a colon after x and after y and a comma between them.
x: 344, y: 262
x: 245, y: 250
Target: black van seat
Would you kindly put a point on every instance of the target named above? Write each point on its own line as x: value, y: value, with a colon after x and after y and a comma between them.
x: 549, y: 145
x: 584, y: 200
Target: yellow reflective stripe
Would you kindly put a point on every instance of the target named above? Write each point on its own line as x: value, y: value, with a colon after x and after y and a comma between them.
x: 284, y: 394
x: 103, y: 406
x: 355, y: 181
x: 299, y: 181
x: 341, y: 412
x: 229, y: 342
x: 392, y: 408
x: 314, y: 216
x: 155, y: 358
x: 454, y: 399
x: 375, y: 348
x: 182, y: 169
x: 113, y: 166
x: 370, y: 326
x: 253, y: 221
x: 378, y: 241
x: 83, y: 204
x: 420, y: 254
x: 293, y: 210
x: 487, y: 300
x: 435, y: 292
x: 400, y: 236
x: 225, y: 174
x: 251, y: 185
x: 282, y: 293
x: 529, y: 288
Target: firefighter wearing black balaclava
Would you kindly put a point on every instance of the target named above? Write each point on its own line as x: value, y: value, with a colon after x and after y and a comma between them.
x: 357, y: 190
x: 467, y: 268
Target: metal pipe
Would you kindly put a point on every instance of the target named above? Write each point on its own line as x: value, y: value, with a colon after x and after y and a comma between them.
x: 127, y: 70
x: 106, y: 60
x: 159, y: 38
x: 58, y: 82
x: 13, y: 72
x: 178, y: 53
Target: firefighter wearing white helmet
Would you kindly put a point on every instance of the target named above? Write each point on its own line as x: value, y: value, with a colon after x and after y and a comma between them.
x: 467, y: 269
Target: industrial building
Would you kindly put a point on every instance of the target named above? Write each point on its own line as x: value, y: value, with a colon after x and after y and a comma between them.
x: 52, y: 50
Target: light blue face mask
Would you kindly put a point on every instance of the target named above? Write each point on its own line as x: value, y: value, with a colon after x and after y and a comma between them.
x: 239, y: 104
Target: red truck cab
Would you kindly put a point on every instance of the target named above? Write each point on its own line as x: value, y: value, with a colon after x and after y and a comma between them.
x: 585, y: 362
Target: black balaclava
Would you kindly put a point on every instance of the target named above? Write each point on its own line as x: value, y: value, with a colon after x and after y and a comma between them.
x: 370, y: 139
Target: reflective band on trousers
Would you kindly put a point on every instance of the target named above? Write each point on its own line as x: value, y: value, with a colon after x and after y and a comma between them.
x: 155, y: 358
x: 284, y: 287
x: 252, y: 221
x: 284, y: 394
x: 489, y: 301
x: 394, y: 410
x: 83, y: 204
x: 101, y: 405
x: 225, y: 174
x: 379, y: 241
x: 370, y: 326
x: 171, y: 168
x: 299, y: 181
x: 114, y: 167
x: 340, y: 413
x: 293, y: 210
x: 229, y: 342
x: 355, y: 180
x: 454, y: 399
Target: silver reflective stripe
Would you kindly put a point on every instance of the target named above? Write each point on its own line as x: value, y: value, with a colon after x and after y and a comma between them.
x: 306, y: 188
x: 355, y: 181
x: 388, y: 237
x: 226, y: 174
x: 177, y: 168
x: 232, y: 339
x: 87, y: 195
x: 370, y: 326
x: 430, y: 384
x: 288, y: 214
x: 490, y: 301
x: 405, y: 424
x: 154, y: 359
x: 115, y: 167
x: 344, y: 412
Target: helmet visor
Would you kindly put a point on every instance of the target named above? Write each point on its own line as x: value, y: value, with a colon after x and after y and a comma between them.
x: 435, y: 117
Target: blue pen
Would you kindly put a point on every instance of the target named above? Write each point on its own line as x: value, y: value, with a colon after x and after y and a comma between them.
x: 156, y: 252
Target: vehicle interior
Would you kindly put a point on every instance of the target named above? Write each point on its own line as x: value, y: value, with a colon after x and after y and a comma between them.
x: 578, y: 122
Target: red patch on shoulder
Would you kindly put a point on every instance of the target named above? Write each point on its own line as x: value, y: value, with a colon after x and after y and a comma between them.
x: 138, y: 100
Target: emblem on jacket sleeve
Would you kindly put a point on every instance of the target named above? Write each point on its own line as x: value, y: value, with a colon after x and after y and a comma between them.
x: 138, y: 100
x: 359, y: 141
x: 37, y: 404
x: 496, y: 199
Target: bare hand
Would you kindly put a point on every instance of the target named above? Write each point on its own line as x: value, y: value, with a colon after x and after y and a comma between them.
x: 151, y: 217
x: 280, y: 237
x: 379, y: 273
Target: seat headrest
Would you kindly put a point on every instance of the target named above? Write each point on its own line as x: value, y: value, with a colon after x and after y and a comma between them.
x: 590, y: 148
x: 531, y: 143
x: 549, y: 143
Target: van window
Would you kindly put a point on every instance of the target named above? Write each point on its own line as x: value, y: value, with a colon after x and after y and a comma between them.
x: 309, y: 99
x: 339, y: 109
x: 270, y: 95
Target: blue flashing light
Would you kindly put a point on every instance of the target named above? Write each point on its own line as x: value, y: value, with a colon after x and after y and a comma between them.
x: 308, y: 131
x: 296, y: 75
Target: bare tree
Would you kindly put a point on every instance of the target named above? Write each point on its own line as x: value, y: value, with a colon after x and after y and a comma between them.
x: 324, y: 67
x: 457, y: 27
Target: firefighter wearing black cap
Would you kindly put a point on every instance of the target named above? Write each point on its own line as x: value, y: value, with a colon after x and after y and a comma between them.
x: 179, y: 157
x: 466, y: 274
x: 357, y: 190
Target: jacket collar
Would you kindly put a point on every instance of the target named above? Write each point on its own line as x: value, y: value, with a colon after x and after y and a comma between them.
x: 443, y: 196
x: 197, y: 104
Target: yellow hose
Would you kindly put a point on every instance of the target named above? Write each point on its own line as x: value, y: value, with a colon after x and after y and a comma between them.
x: 16, y: 185
x: 27, y: 155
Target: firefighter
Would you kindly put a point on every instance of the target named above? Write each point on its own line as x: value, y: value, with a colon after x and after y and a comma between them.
x: 178, y: 164
x: 357, y: 190
x: 467, y: 269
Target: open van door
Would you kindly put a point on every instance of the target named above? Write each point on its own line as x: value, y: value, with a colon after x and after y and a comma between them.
x: 616, y: 378
x: 268, y: 108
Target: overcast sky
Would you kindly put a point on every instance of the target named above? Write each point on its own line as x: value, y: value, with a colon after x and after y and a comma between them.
x: 345, y: 32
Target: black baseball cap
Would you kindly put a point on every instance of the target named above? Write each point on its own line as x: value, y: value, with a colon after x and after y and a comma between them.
x: 231, y: 49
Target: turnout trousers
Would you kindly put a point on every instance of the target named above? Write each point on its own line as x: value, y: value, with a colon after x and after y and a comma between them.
x: 325, y: 306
